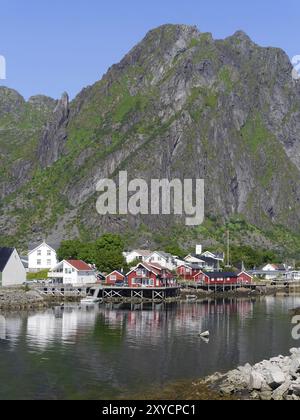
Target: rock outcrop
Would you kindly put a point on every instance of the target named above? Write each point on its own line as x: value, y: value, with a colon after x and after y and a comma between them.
x: 52, y: 143
x: 274, y: 379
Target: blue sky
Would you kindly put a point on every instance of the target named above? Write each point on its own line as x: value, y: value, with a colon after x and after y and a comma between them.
x: 55, y: 46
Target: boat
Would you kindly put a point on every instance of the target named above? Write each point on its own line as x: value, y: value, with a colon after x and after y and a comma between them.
x: 205, y: 334
x: 191, y: 298
x: 90, y: 300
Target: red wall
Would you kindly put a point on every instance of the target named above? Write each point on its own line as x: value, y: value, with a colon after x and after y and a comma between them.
x: 119, y: 276
x: 186, y: 273
x: 133, y: 275
x: 243, y: 278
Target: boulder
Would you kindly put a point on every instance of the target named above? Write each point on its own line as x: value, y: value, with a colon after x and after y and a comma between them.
x: 265, y: 396
x: 256, y: 381
x: 296, y: 389
x: 295, y: 367
x: 280, y: 392
x: 274, y: 377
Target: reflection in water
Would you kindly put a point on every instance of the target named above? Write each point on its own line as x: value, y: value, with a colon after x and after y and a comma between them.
x: 103, y: 351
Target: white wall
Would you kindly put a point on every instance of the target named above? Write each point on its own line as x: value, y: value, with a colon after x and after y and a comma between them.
x: 132, y: 256
x: 14, y: 273
x: 158, y: 259
x: 47, y: 262
x: 74, y: 277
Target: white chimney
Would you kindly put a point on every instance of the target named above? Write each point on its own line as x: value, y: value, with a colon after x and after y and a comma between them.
x: 198, y: 249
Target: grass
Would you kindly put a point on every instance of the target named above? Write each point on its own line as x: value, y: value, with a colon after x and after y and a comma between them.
x: 37, y: 276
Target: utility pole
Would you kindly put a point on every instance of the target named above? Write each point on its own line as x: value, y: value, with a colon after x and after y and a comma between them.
x: 228, y: 249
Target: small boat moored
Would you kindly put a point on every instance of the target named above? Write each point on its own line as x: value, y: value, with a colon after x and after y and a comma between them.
x: 90, y: 300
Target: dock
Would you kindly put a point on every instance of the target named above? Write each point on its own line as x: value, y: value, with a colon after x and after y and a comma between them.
x: 113, y: 293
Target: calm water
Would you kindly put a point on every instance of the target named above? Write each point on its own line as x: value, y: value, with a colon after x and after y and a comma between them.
x: 106, y: 351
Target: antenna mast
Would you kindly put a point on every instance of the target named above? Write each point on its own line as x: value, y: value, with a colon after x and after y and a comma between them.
x: 228, y: 248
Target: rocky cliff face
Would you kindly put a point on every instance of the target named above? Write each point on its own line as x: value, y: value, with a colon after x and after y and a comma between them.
x: 180, y: 104
x: 52, y: 143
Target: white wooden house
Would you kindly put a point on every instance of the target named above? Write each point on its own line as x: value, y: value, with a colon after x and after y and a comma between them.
x: 12, y: 271
x: 73, y: 272
x: 43, y: 257
x: 137, y: 255
x: 162, y: 258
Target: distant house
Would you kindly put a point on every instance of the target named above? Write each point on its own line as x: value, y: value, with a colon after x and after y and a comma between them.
x: 73, y: 272
x: 292, y: 276
x: 221, y: 278
x: 43, y: 257
x: 275, y: 267
x: 12, y: 271
x: 148, y: 275
x: 207, y: 260
x: 135, y: 255
x: 113, y: 277
x: 188, y: 271
x: 163, y: 259
x: 24, y: 260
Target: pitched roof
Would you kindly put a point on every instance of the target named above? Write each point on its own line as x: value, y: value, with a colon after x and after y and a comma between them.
x: 115, y: 272
x: 148, y: 267
x: 5, y: 254
x: 32, y: 249
x: 80, y: 265
x: 142, y: 252
x: 221, y: 274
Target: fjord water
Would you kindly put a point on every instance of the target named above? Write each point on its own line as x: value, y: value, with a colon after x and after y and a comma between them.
x: 107, y: 352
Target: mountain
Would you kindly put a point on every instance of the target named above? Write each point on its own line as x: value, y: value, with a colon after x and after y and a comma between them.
x: 179, y: 105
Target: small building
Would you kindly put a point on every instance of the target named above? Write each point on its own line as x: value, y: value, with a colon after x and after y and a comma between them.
x: 187, y: 272
x: 73, y: 272
x: 223, y: 278
x: 113, y: 277
x: 292, y: 276
x: 146, y: 275
x: 43, y: 257
x: 136, y: 255
x: 163, y: 259
x: 12, y: 270
x: 209, y: 261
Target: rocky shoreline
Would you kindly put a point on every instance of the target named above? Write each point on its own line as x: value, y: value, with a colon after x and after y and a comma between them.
x: 22, y: 299
x: 274, y: 379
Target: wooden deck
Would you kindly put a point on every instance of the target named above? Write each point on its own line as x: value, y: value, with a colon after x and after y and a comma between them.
x: 114, y: 294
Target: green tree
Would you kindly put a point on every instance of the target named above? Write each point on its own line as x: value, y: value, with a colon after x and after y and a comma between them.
x: 69, y: 250
x: 109, y: 253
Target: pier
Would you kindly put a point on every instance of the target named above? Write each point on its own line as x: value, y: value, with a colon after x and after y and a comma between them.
x: 113, y: 293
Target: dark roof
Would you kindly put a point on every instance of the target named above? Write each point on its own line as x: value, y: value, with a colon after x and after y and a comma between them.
x: 209, y: 260
x: 195, y: 266
x: 5, y: 254
x: 221, y: 274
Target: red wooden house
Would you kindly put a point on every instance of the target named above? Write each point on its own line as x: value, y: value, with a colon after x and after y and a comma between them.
x: 187, y: 272
x: 113, y: 277
x: 150, y: 275
x: 221, y: 278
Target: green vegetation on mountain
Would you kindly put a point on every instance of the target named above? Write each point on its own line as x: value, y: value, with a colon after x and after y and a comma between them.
x: 179, y: 105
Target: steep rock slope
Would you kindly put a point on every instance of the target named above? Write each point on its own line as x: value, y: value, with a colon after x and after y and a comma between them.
x: 180, y: 104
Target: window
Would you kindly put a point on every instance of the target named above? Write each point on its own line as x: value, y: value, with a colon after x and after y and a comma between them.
x: 39, y: 262
x: 48, y: 263
x: 49, y: 253
x: 39, y: 253
x: 113, y: 278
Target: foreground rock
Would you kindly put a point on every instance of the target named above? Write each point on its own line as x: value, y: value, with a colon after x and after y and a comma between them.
x: 274, y: 379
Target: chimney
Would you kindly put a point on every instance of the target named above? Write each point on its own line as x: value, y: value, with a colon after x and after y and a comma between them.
x: 198, y: 249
